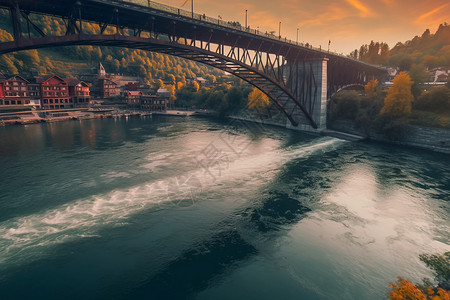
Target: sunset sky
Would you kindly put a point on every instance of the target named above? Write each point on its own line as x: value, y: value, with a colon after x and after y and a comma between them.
x: 347, y: 23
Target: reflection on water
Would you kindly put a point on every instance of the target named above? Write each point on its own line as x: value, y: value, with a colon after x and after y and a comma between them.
x: 121, y: 209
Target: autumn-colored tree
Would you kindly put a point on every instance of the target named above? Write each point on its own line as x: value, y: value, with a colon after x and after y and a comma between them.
x: 196, y: 86
x: 405, y: 290
x: 211, y: 78
x: 5, y: 36
x: 159, y: 84
x: 179, y: 85
x: 370, y: 87
x: 171, y: 89
x: 398, y: 101
x: 257, y: 100
x: 171, y: 78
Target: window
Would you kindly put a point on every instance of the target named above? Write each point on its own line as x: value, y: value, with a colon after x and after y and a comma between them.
x: 13, y: 102
x: 19, y: 102
x: 51, y: 101
x: 15, y: 83
x: 6, y: 102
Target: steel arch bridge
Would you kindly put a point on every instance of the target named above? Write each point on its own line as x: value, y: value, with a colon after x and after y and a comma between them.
x: 297, y: 78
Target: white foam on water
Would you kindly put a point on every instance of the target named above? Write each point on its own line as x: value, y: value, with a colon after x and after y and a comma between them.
x: 26, y: 238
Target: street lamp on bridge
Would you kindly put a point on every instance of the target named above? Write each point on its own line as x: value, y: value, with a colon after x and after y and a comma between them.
x: 297, y: 37
x: 279, y: 30
x: 245, y: 19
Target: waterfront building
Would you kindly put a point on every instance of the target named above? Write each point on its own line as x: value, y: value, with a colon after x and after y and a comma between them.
x: 34, y: 90
x: 55, y: 93
x: 106, y: 88
x: 133, y: 98
x: 79, y: 92
x: 2, y: 94
x: 153, y: 103
x: 15, y: 90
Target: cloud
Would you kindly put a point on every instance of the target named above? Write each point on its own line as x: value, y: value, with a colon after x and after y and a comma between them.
x: 364, y: 11
x: 424, y: 16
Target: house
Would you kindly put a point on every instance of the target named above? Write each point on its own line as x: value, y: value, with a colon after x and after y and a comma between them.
x: 15, y: 90
x: 202, y: 81
x: 133, y: 98
x: 55, y: 93
x: 106, y: 88
x: 2, y: 94
x: 153, y: 103
x: 34, y: 90
x: 163, y: 93
x: 79, y: 92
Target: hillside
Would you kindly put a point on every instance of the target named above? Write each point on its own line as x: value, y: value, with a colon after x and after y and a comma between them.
x: 429, y: 50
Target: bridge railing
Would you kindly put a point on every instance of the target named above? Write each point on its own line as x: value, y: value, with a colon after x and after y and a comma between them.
x: 231, y: 25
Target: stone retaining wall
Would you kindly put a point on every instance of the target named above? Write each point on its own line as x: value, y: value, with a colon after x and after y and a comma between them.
x: 436, y: 139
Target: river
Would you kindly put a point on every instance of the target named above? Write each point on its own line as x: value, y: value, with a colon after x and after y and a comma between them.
x: 191, y: 208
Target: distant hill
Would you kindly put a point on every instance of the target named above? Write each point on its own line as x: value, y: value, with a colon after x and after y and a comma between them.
x: 429, y: 50
x: 72, y: 60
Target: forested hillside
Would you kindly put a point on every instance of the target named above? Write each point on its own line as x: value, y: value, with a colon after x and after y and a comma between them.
x: 429, y: 50
x: 69, y: 61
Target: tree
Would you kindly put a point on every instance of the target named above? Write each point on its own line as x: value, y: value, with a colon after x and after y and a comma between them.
x: 440, y: 264
x: 171, y: 78
x: 419, y: 75
x: 370, y: 87
x: 257, y: 100
x: 159, y: 84
x: 398, y: 101
x: 196, y: 86
x: 344, y: 105
x: 211, y: 78
x: 405, y: 290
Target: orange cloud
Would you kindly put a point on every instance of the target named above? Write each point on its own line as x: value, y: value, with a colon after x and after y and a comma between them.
x: 364, y: 11
x: 431, y: 12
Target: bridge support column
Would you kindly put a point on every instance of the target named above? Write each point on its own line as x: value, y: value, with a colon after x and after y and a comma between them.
x: 310, y: 88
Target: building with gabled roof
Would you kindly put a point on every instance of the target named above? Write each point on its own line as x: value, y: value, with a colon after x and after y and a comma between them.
x: 55, y: 93
x: 15, y: 90
x: 79, y: 92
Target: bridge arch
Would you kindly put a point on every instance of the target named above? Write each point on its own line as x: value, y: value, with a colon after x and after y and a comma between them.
x: 276, y: 91
x: 348, y: 87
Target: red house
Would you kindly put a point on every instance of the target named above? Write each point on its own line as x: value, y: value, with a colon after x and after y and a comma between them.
x: 2, y: 95
x: 107, y: 88
x: 133, y: 98
x: 16, y: 91
x: 55, y: 93
x: 78, y: 92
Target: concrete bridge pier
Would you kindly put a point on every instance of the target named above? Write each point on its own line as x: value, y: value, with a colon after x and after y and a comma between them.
x: 309, y: 86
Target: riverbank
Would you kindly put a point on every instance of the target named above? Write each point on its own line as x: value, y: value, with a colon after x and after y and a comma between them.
x: 426, y: 138
x: 51, y: 116
x: 434, y: 139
